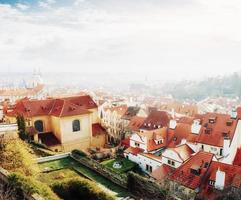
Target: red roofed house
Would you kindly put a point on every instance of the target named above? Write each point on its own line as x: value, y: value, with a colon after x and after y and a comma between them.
x: 186, y: 181
x: 220, y: 176
x: 62, y: 124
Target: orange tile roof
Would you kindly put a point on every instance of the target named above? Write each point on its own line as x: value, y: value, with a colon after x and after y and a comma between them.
x: 152, y: 156
x: 162, y: 172
x: 135, y: 123
x: 183, y: 151
x: 217, y: 129
x: 134, y: 150
x: 232, y: 179
x: 185, y: 177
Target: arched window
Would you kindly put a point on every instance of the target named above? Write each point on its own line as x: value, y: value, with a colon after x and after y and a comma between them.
x: 76, y: 125
x: 39, y: 125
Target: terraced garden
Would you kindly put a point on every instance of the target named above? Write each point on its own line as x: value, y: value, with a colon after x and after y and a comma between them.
x: 68, y: 168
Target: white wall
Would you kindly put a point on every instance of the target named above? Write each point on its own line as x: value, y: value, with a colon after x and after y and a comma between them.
x: 142, y: 161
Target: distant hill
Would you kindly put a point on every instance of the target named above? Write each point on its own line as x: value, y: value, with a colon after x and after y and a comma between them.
x: 229, y: 86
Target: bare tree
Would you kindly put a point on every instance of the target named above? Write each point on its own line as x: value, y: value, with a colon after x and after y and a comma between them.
x: 6, y: 192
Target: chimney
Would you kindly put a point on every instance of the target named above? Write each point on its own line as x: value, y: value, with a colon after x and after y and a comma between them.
x: 233, y: 113
x: 226, y: 146
x: 172, y: 124
x: 196, y: 126
x: 220, y: 180
x: 173, y: 113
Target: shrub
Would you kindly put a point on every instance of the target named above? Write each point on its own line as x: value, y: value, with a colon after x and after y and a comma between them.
x: 80, y: 188
x: 145, y: 188
x: 15, y: 157
x: 29, y: 186
x: 79, y: 153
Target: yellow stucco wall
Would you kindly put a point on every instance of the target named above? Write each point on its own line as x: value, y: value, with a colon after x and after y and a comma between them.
x: 98, y: 141
x: 94, y: 115
x: 46, y: 122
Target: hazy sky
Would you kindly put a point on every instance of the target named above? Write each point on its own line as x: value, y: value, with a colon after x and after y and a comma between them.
x: 164, y: 39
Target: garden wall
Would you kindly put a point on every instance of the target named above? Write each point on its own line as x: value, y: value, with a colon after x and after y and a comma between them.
x: 145, y: 188
x: 50, y: 158
x: 119, y: 179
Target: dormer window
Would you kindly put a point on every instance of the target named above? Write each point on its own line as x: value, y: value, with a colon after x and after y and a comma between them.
x: 208, y: 130
x: 149, y: 124
x: 211, y: 182
x: 137, y: 144
x: 212, y: 120
x: 229, y: 123
x: 196, y: 170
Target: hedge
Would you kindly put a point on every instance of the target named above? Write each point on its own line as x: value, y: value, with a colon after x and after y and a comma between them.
x: 30, y: 186
x: 80, y: 188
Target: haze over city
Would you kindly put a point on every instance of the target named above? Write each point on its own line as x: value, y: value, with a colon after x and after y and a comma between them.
x: 164, y: 40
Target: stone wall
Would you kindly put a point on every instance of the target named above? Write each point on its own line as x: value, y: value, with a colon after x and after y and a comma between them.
x: 145, y: 188
x: 119, y: 179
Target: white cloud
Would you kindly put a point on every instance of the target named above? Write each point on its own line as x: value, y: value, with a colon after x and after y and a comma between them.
x: 167, y: 42
x: 46, y: 3
x: 22, y: 6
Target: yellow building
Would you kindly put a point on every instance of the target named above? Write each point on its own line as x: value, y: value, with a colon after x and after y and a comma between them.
x: 61, y: 124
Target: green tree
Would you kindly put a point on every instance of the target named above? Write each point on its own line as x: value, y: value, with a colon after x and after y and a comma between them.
x: 21, y: 127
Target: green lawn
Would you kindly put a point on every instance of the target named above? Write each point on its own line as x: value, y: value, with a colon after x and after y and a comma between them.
x: 58, y: 164
x: 127, y: 165
x: 68, y: 168
x: 58, y: 175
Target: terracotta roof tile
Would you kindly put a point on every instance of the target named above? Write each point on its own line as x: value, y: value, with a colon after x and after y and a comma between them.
x: 156, y: 119
x: 185, y: 174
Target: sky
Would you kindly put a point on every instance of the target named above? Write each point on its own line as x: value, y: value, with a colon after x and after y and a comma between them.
x: 164, y: 40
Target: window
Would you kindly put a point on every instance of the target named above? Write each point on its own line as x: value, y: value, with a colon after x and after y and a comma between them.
x: 211, y: 182
x: 76, y: 125
x: 148, y: 168
x: 221, y: 152
x: 202, y: 147
x: 39, y: 126
x: 170, y: 162
x: 137, y: 144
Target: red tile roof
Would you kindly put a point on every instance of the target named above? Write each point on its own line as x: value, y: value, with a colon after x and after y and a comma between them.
x: 62, y: 107
x: 135, y: 123
x: 97, y: 129
x: 134, y: 150
x: 125, y: 142
x: 155, y: 119
x: 184, y: 176
x: 232, y: 179
x: 184, y: 151
x: 162, y: 172
x: 218, y: 130
x: 237, y: 159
